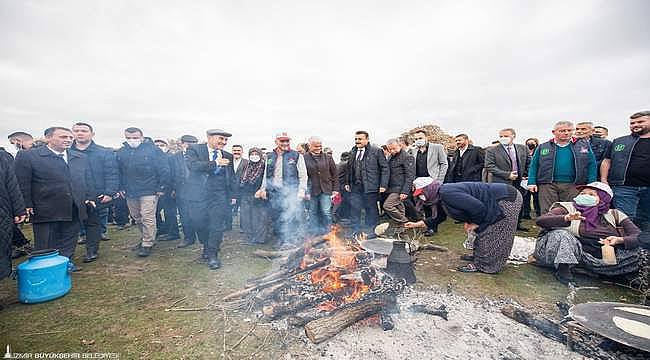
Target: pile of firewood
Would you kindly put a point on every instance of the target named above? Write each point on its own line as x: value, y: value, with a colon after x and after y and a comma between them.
x: 295, y: 293
x: 434, y: 134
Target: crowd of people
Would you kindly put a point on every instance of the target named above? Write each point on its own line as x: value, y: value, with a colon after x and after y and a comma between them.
x: 584, y: 190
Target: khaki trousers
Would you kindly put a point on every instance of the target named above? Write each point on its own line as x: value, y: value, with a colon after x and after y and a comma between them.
x: 395, y: 208
x: 555, y: 192
x: 143, y: 211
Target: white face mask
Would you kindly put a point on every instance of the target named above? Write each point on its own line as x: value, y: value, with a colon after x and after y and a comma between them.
x: 420, y: 142
x: 505, y: 140
x: 422, y: 197
x: 134, y: 143
x: 254, y: 158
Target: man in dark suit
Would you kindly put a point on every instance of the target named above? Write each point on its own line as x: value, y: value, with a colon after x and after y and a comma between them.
x: 367, y: 177
x: 239, y: 164
x: 57, y: 186
x: 507, y: 163
x: 166, y: 209
x: 599, y: 146
x: 103, y: 166
x: 467, y: 161
x: 209, y: 191
x: 181, y: 173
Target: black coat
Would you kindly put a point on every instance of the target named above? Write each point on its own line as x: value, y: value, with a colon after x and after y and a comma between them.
x: 238, y: 173
x: 374, y: 169
x: 202, y: 181
x: 144, y: 170
x: 402, y: 173
x: 11, y: 205
x: 470, y: 165
x: 180, y: 172
x: 103, y: 165
x: 51, y: 187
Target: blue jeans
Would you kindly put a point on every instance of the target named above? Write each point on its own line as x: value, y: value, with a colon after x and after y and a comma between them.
x: 320, y: 213
x: 634, y: 201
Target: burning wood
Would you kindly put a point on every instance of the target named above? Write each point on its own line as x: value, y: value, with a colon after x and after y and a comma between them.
x: 325, y: 285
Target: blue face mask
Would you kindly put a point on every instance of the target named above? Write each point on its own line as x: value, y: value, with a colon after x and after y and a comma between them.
x: 585, y: 200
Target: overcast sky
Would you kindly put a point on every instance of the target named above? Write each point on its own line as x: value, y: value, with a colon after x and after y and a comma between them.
x: 323, y: 68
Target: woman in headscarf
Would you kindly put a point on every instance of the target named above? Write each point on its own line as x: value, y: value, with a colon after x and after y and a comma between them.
x: 489, y: 210
x: 574, y: 233
x: 253, y: 212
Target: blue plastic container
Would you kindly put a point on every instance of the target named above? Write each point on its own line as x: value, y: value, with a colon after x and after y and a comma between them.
x: 44, y: 276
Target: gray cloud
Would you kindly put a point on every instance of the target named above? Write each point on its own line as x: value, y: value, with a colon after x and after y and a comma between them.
x: 322, y: 68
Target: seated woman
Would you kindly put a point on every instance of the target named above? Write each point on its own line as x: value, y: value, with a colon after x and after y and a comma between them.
x: 490, y: 210
x: 253, y: 211
x: 574, y: 233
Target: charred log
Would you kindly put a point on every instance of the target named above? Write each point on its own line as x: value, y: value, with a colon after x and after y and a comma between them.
x: 440, y: 311
x: 542, y: 325
x: 324, y: 328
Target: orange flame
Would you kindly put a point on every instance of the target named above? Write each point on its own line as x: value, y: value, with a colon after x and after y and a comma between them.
x: 343, y: 261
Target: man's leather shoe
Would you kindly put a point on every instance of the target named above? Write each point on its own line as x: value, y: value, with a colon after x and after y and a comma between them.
x: 90, y: 258
x: 144, y: 251
x: 214, y: 263
x: 429, y: 233
x: 184, y: 244
x: 72, y: 267
x: 82, y: 240
x: 105, y: 237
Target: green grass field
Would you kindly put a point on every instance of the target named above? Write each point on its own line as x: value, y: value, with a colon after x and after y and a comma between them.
x: 118, y: 304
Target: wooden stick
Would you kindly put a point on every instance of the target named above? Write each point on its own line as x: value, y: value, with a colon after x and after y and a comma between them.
x: 243, y: 337
x: 432, y: 247
x: 191, y: 309
x: 176, y: 303
x: 248, y: 290
x: 46, y: 332
x: 272, y: 254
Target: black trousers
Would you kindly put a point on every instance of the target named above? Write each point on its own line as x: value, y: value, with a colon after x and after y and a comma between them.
x: 208, y: 219
x: 526, y: 207
x: 363, y: 201
x: 93, y: 228
x: 60, y: 235
x: 19, y: 238
x: 121, y: 211
x: 167, y: 225
x: 189, y: 233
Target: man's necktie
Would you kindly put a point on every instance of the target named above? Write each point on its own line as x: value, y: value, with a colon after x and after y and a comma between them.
x: 359, y: 155
x: 216, y: 155
x: 513, y: 158
x: 61, y: 156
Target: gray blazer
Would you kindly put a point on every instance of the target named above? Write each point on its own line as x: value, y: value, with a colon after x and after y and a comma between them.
x: 499, y: 166
x: 436, y: 161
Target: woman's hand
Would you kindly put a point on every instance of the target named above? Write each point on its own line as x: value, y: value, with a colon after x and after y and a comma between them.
x: 612, y: 240
x: 417, y: 224
x: 470, y: 227
x: 573, y: 216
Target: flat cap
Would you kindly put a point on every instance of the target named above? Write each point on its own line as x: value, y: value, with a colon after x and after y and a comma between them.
x: 218, y: 132
x: 189, y: 139
x: 160, y: 141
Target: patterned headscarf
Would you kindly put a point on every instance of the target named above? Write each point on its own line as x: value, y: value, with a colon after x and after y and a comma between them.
x: 253, y: 170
